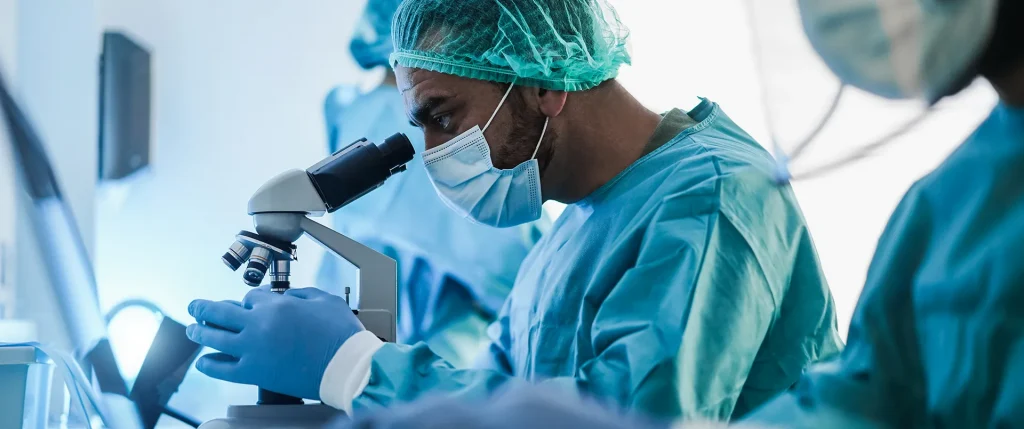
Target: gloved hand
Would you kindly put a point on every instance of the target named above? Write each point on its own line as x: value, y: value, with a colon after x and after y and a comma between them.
x: 281, y: 343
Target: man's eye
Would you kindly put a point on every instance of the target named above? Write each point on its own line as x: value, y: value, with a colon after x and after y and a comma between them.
x: 443, y: 121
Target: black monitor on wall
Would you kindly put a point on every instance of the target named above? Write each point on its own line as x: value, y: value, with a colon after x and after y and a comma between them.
x: 125, y: 106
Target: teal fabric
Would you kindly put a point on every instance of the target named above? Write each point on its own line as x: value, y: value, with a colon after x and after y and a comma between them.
x: 561, y: 45
x: 454, y: 275
x: 937, y: 339
x: 686, y: 286
x: 371, y: 45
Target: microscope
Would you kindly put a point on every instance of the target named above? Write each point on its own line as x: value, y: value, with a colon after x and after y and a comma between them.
x: 281, y: 211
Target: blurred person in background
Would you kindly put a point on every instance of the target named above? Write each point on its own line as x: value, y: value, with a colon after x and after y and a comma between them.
x: 937, y: 339
x: 453, y: 274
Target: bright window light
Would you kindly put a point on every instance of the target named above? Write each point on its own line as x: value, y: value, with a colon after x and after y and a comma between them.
x: 131, y: 332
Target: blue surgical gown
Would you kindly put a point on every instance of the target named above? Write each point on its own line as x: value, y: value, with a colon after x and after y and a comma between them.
x: 453, y: 274
x: 686, y: 286
x: 937, y: 339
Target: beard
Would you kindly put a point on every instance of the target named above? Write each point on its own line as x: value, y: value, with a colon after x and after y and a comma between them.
x: 523, y: 138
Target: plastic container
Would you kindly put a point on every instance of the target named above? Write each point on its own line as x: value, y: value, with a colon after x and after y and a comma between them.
x: 25, y: 377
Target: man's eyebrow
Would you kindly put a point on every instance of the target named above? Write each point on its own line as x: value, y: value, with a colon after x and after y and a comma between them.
x: 421, y: 114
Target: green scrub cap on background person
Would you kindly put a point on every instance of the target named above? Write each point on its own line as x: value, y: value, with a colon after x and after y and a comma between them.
x: 560, y: 45
x: 371, y: 45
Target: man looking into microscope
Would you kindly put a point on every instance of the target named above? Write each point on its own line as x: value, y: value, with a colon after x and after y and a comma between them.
x: 681, y: 281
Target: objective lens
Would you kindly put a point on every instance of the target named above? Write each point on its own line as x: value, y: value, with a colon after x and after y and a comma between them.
x: 281, y: 270
x: 259, y: 261
x: 235, y: 256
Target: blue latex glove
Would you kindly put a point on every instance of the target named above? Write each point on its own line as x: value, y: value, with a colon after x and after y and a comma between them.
x: 281, y: 343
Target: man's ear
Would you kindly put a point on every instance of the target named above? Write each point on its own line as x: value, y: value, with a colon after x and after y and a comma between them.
x: 551, y: 103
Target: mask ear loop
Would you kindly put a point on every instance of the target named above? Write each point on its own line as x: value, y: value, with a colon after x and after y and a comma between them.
x: 500, y: 103
x: 782, y: 159
x: 542, y: 131
x: 869, y: 149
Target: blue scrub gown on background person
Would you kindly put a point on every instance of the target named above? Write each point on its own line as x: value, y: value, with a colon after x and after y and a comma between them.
x: 686, y: 286
x: 454, y: 275
x: 937, y: 339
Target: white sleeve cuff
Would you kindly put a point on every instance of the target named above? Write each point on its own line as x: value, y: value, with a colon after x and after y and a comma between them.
x: 348, y: 372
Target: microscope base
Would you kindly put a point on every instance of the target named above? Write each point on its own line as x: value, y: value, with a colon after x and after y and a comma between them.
x: 275, y: 417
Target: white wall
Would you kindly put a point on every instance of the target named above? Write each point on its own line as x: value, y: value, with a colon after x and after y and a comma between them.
x: 238, y: 90
x: 56, y: 86
x: 52, y: 47
x: 686, y: 48
x: 58, y: 48
x: 8, y: 53
x: 8, y: 36
x: 7, y: 229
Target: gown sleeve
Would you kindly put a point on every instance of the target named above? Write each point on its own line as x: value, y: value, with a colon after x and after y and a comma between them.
x: 694, y: 284
x: 869, y: 382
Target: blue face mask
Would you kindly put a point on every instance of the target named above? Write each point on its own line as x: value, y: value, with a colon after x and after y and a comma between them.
x: 467, y: 181
x: 900, y: 48
x: 897, y: 49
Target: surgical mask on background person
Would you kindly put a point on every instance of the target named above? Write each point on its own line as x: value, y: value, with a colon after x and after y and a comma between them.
x: 900, y: 49
x: 468, y: 182
x: 920, y: 50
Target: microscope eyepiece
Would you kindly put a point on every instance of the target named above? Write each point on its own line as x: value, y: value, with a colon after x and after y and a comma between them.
x: 359, y: 168
x: 397, y: 151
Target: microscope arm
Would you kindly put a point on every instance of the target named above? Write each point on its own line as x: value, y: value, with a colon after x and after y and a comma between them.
x: 280, y: 210
x: 378, y: 278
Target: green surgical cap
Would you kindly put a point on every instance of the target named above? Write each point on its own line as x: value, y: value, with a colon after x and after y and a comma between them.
x: 560, y: 45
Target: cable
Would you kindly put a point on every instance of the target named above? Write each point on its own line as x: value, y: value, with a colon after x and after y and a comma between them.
x: 867, y: 150
x: 74, y: 379
x: 177, y: 415
x: 149, y: 305
x: 783, y: 158
x: 123, y: 305
x: 836, y: 99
